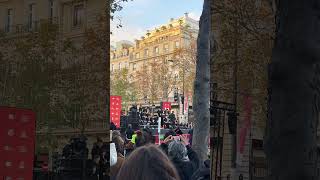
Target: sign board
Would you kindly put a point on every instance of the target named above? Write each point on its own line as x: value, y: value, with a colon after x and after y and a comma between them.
x: 166, y: 106
x: 115, y: 110
x: 17, y: 142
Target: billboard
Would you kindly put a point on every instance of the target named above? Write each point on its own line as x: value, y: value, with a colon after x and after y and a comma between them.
x: 17, y: 142
x: 115, y: 110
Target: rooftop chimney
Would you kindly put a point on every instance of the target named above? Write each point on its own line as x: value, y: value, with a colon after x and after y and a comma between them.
x: 186, y: 15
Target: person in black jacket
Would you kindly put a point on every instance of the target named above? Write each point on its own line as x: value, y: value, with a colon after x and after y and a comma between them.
x: 203, y: 173
x: 183, y: 157
x: 129, y: 132
x: 113, y: 126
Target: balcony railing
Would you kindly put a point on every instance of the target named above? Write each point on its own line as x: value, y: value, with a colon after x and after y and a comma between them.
x: 34, y: 26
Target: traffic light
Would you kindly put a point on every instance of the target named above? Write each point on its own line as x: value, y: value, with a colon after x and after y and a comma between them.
x: 176, y: 98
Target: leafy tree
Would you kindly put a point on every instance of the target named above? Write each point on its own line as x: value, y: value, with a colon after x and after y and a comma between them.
x: 244, y: 32
x: 29, y: 61
x: 121, y: 86
x: 116, y: 6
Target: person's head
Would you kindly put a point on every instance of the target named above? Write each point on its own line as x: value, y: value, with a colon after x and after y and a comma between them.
x: 176, y: 150
x: 116, y: 133
x: 143, y: 138
x: 130, y: 126
x: 148, y: 162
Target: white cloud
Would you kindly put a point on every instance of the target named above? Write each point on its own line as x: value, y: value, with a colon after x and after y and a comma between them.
x: 127, y: 32
x: 195, y: 15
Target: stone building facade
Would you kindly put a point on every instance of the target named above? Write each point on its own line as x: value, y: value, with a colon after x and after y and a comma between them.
x: 157, y: 46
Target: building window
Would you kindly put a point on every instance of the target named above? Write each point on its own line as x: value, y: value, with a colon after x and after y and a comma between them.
x: 134, y: 66
x: 146, y: 53
x: 137, y: 55
x: 78, y: 15
x: 166, y: 48
x: 119, y: 66
x: 177, y: 44
x: 31, y: 16
x: 9, y: 20
x: 51, y: 10
x: 156, y: 50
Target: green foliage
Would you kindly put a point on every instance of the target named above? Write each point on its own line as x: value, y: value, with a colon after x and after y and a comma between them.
x: 58, y: 80
x: 121, y: 86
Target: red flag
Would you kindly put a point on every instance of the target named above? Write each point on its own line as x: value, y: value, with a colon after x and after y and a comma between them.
x: 115, y: 110
x: 17, y: 139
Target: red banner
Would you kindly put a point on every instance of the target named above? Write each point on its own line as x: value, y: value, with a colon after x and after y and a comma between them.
x: 245, y: 128
x: 115, y: 110
x: 17, y: 140
x: 166, y: 106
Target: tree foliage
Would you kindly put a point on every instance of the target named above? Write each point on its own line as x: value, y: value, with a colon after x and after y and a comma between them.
x: 244, y: 34
x: 63, y: 81
x: 121, y: 86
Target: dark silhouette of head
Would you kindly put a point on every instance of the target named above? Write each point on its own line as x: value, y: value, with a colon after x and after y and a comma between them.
x: 148, y: 162
x: 171, y: 132
x: 144, y: 137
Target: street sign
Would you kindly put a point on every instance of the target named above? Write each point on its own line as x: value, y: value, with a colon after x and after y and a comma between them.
x: 17, y: 140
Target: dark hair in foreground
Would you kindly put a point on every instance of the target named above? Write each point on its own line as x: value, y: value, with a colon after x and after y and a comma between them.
x: 148, y: 162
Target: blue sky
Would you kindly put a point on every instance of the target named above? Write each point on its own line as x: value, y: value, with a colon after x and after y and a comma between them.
x: 138, y: 16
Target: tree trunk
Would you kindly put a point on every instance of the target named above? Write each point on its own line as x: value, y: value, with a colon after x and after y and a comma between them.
x: 201, y: 86
x: 294, y: 92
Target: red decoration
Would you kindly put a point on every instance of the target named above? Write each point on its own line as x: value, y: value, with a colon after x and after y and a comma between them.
x: 245, y: 128
x: 166, y: 106
x: 17, y: 139
x: 115, y: 110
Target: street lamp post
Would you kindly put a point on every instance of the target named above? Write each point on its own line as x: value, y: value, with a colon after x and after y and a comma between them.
x: 183, y: 87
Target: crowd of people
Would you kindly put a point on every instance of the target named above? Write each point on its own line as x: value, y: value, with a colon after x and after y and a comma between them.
x: 168, y: 119
x: 135, y: 156
x: 149, y: 118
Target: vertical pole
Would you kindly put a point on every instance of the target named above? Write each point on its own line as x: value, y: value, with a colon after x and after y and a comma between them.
x: 159, y: 129
x: 217, y: 143
x: 235, y: 90
x: 221, y: 147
